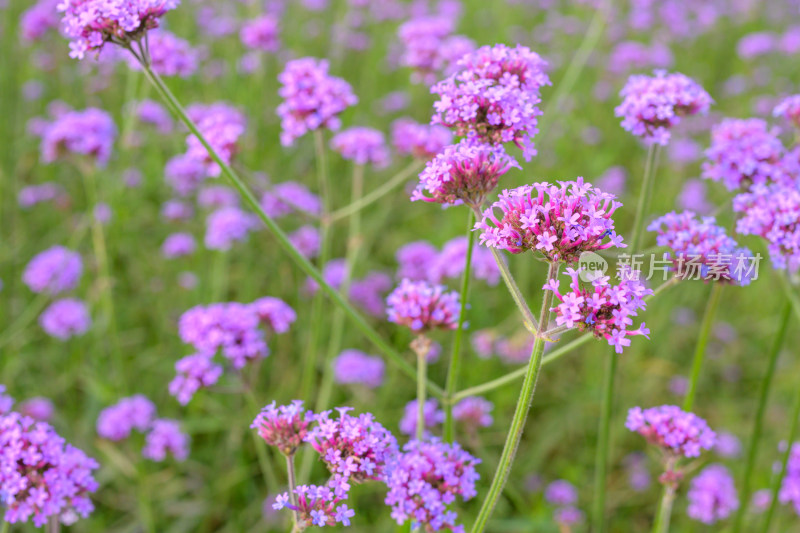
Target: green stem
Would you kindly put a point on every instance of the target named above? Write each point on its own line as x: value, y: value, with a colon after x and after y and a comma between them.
x: 520, y: 415
x: 53, y: 525
x: 603, y: 442
x: 267, y: 472
x: 644, y: 198
x: 776, y: 486
x: 661, y: 524
x: 292, y: 485
x: 758, y: 422
x: 702, y: 342
x: 219, y: 276
x: 4, y: 526
x: 25, y: 318
x: 250, y: 199
x: 422, y: 369
x: 377, y: 194
x: 455, y: 356
x: 789, y: 289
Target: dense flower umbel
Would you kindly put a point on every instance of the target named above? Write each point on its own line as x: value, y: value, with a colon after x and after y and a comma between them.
x: 790, y: 486
x: 604, y: 309
x: 40, y: 475
x: 712, y: 495
x: 362, y: 146
x: 90, y: 132
x: 744, y: 153
x: 355, y: 448
x: 773, y: 212
x: 274, y: 313
x: 427, y: 477
x: 53, y: 271
x: 561, y: 221
x: 284, y: 426
x: 421, y: 306
x: 422, y: 141
x: 312, y: 98
x: 473, y: 412
x: 316, y: 506
x: 117, y: 421
x: 91, y: 23
x: 465, y: 172
x: 653, y: 105
x: 789, y: 110
x: 494, y: 96
x: 701, y: 249
x: 674, y: 430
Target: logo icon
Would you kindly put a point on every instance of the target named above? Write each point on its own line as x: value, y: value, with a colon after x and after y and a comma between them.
x: 592, y: 266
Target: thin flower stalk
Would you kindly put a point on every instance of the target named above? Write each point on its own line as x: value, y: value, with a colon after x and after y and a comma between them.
x: 706, y: 325
x: 776, y: 487
x: 421, y: 346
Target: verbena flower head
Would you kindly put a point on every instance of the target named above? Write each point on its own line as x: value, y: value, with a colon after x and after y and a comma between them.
x: 790, y: 486
x: 194, y: 372
x: 701, y: 249
x: 561, y: 492
x: 92, y: 23
x: 274, y: 313
x: 494, y: 96
x: 362, y: 146
x: 178, y: 245
x: 466, y: 172
x: 169, y: 55
x: 261, y: 33
x: 226, y: 226
x: 744, y: 153
x: 425, y: 479
x: 117, y: 421
x: 356, y: 367
x: 222, y: 125
x: 312, y: 98
x: 422, y: 141
x: 232, y: 328
x: 560, y: 221
x: 433, y: 416
x: 675, y: 431
x: 773, y: 212
x: 284, y: 426
x: 474, y: 412
x: 652, y: 105
x: 606, y: 310
x: 53, y: 271
x: 353, y: 447
x: 283, y: 198
x: 166, y: 438
x: 712, y: 495
x: 789, y: 110
x: 90, y: 132
x: 316, y: 506
x: 65, y: 318
x: 421, y: 306
x: 40, y: 475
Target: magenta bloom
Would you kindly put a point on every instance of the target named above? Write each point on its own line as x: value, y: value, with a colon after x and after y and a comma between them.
x: 422, y: 141
x: 117, y: 421
x: 316, y: 506
x: 40, y: 475
x: 422, y: 307
x: 165, y: 437
x: 226, y: 226
x: 284, y: 426
x: 433, y: 416
x: 701, y: 249
x: 605, y: 310
x: 178, y: 245
x: 283, y: 198
x: 222, y: 125
x: 312, y: 98
x: 712, y: 495
x: 425, y: 479
x: 90, y: 132
x: 474, y: 412
x: 652, y: 105
x: 674, y: 430
x: 38, y: 19
x: 561, y: 221
x: 194, y: 372
x: 362, y: 146
x: 261, y: 33
x: 464, y: 172
x: 494, y: 96
x: 215, y: 196
x: 65, y: 318
x: 789, y: 110
x: 356, y: 367
x: 92, y: 23
x: 745, y: 153
x: 53, y: 271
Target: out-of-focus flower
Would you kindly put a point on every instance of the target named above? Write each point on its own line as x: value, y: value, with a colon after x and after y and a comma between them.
x: 789, y: 110
x: 473, y: 412
x: 790, y: 486
x: 117, y: 421
x: 151, y: 112
x: 65, y: 318
x: 44, y: 192
x: 261, y: 33
x: 274, y: 313
x: 433, y: 416
x: 285, y: 197
x: 422, y: 141
x: 307, y: 241
x: 90, y: 132
x: 53, y: 271
x: 415, y: 260
x: 222, y: 125
x: 169, y: 55
x: 356, y: 367
x: 38, y: 408
x: 165, y: 437
x: 712, y: 495
x: 561, y: 492
x: 362, y: 146
x: 755, y: 44
x: 452, y: 259
x: 193, y: 372
x: 226, y: 226
x: 177, y: 245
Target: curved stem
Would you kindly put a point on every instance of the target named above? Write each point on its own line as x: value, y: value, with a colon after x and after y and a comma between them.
x: 377, y: 194
x: 702, y: 342
x: 776, y: 487
x: 455, y: 356
x: 520, y: 415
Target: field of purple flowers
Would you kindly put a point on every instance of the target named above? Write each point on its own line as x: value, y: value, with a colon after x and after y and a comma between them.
x: 400, y: 265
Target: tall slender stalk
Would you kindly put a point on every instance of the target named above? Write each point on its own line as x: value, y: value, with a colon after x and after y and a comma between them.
x: 661, y: 524
x: 4, y: 526
x: 776, y: 486
x: 520, y: 414
x: 644, y: 198
x: 422, y: 368
x: 53, y: 525
x: 292, y: 485
x: 455, y: 356
x: 758, y: 422
x: 702, y: 342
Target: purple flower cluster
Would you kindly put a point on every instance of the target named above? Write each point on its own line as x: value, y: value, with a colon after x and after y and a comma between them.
x: 274, y: 313
x: 316, y: 506
x: 90, y: 132
x: 561, y: 492
x: 53, y: 271
x: 422, y: 141
x: 701, y: 248
x: 429, y: 48
x: 712, y: 495
x: 362, y: 146
x: 38, y: 19
x: 672, y: 429
x: 194, y: 372
x: 789, y: 110
x: 790, y: 486
x: 288, y: 196
x: 494, y: 96
x: 307, y: 240
x: 65, y: 318
x: 652, y: 105
x: 561, y: 221
x: 151, y: 112
x: 177, y: 245
x: 169, y: 55
x: 40, y: 475
x: 221, y: 125
x: 425, y: 479
x: 117, y: 421
x: 465, y: 172
x: 433, y: 416
x: 226, y: 226
x: 420, y: 260
x: 284, y: 426
x: 354, y: 448
x: 261, y: 33
x: 473, y: 412
x: 604, y: 309
x: 165, y: 437
x: 92, y: 23
x: 356, y: 367
x: 746, y: 152
x: 184, y: 174
x: 421, y: 306
x: 312, y: 98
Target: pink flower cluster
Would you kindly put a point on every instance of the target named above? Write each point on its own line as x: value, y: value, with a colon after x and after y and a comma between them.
x: 284, y: 426
x: 55, y: 270
x: 672, y: 429
x: 789, y: 110
x: 356, y: 367
x: 432, y: 414
x: 421, y: 306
